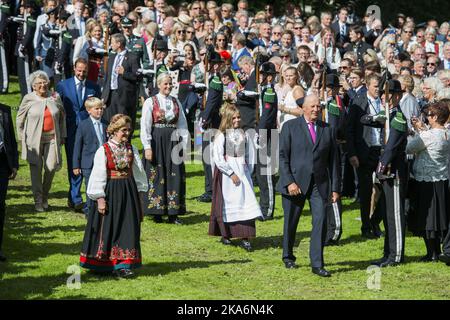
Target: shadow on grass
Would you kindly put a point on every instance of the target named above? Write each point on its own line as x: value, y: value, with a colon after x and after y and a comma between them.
x: 191, y: 174
x: 41, y: 287
x: 262, y: 243
x: 163, y: 268
x: 349, y: 266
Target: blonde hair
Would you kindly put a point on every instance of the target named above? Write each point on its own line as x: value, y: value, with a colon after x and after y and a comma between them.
x: 117, y: 122
x: 151, y: 29
x: 163, y: 76
x: 93, y: 102
x: 228, y: 111
x: 407, y: 83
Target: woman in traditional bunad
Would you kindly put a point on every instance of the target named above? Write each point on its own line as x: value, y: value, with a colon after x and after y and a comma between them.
x: 234, y: 206
x: 164, y: 136
x: 112, y: 237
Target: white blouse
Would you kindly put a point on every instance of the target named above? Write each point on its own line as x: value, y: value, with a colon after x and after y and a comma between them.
x: 333, y: 62
x: 432, y: 150
x: 98, y: 178
x: 166, y: 105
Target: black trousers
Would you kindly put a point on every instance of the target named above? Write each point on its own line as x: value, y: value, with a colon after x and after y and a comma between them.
x: 293, y: 206
x: 334, y: 220
x: 206, y: 157
x: 23, y: 73
x: 265, y: 176
x: 4, y: 181
x: 446, y: 244
x: 365, y: 182
x: 4, y: 76
x: 394, y: 220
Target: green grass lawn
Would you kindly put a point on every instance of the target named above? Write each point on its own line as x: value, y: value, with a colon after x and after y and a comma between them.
x: 183, y: 262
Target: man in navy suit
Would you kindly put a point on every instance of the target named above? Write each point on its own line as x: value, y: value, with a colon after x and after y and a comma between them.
x: 309, y: 169
x: 239, y: 50
x: 91, y: 134
x: 341, y: 29
x: 74, y: 92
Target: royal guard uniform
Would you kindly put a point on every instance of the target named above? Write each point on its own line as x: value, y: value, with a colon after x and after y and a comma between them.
x: 4, y: 75
x: 157, y: 67
x: 334, y: 114
x: 64, y: 51
x: 24, y: 49
x: 265, y: 164
x: 209, y: 120
x: 392, y: 172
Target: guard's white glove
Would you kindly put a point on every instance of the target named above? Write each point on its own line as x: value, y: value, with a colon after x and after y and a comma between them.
x: 380, y: 118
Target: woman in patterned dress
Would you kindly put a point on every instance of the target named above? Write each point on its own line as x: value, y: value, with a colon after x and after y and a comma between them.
x: 112, y: 237
x: 164, y: 136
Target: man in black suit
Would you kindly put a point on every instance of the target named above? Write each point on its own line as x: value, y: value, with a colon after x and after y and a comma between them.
x: 308, y: 170
x: 363, y: 144
x: 357, y: 44
x: 246, y: 99
x: 121, y: 81
x: 341, y: 29
x: 9, y: 163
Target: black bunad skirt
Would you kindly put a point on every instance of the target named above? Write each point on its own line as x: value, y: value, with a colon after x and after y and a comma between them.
x: 167, y: 180
x: 430, y: 215
x: 112, y: 242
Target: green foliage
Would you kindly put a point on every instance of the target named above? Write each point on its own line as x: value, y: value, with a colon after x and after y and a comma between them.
x: 183, y: 262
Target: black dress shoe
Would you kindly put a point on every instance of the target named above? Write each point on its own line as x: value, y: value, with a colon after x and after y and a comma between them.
x: 175, y: 220
x: 206, y: 197
x: 376, y: 231
x: 123, y: 273
x: 331, y: 242
x: 157, y: 219
x: 225, y: 241
x: 290, y: 265
x: 2, y: 257
x: 378, y: 262
x: 444, y: 258
x: 246, y: 245
x: 321, y: 272
x: 368, y: 235
x: 429, y: 258
x: 388, y: 263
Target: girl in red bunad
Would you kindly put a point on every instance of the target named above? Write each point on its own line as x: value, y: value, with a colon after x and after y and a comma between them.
x: 112, y: 237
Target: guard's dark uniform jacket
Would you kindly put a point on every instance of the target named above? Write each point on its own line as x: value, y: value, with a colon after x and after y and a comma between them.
x: 392, y: 173
x: 247, y: 104
x: 24, y: 46
x: 211, y: 115
x: 336, y: 117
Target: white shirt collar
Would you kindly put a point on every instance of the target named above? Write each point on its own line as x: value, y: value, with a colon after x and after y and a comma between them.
x: 94, y: 121
x: 77, y: 82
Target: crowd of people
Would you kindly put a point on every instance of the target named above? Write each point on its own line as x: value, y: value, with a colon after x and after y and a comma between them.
x: 316, y: 107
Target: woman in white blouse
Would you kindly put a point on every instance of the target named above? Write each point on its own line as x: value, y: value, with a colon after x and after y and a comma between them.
x: 431, y: 147
x: 234, y: 205
x: 112, y: 236
x: 80, y: 43
x: 326, y: 50
x: 287, y: 107
x: 163, y: 131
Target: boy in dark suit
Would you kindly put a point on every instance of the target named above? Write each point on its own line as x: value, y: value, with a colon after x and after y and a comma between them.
x: 91, y: 134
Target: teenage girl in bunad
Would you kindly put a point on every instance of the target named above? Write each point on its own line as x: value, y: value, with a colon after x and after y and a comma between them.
x: 234, y: 205
x: 112, y: 237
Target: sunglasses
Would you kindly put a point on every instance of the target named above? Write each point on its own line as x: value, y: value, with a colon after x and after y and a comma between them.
x: 405, y: 31
x: 312, y: 61
x: 221, y: 40
x: 431, y: 64
x: 181, y: 31
x: 430, y: 114
x: 190, y: 32
x: 285, y: 56
x: 276, y: 33
x: 343, y: 67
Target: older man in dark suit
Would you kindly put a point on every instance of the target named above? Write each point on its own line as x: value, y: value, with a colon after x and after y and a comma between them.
x: 9, y: 163
x: 121, y: 81
x: 309, y: 169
